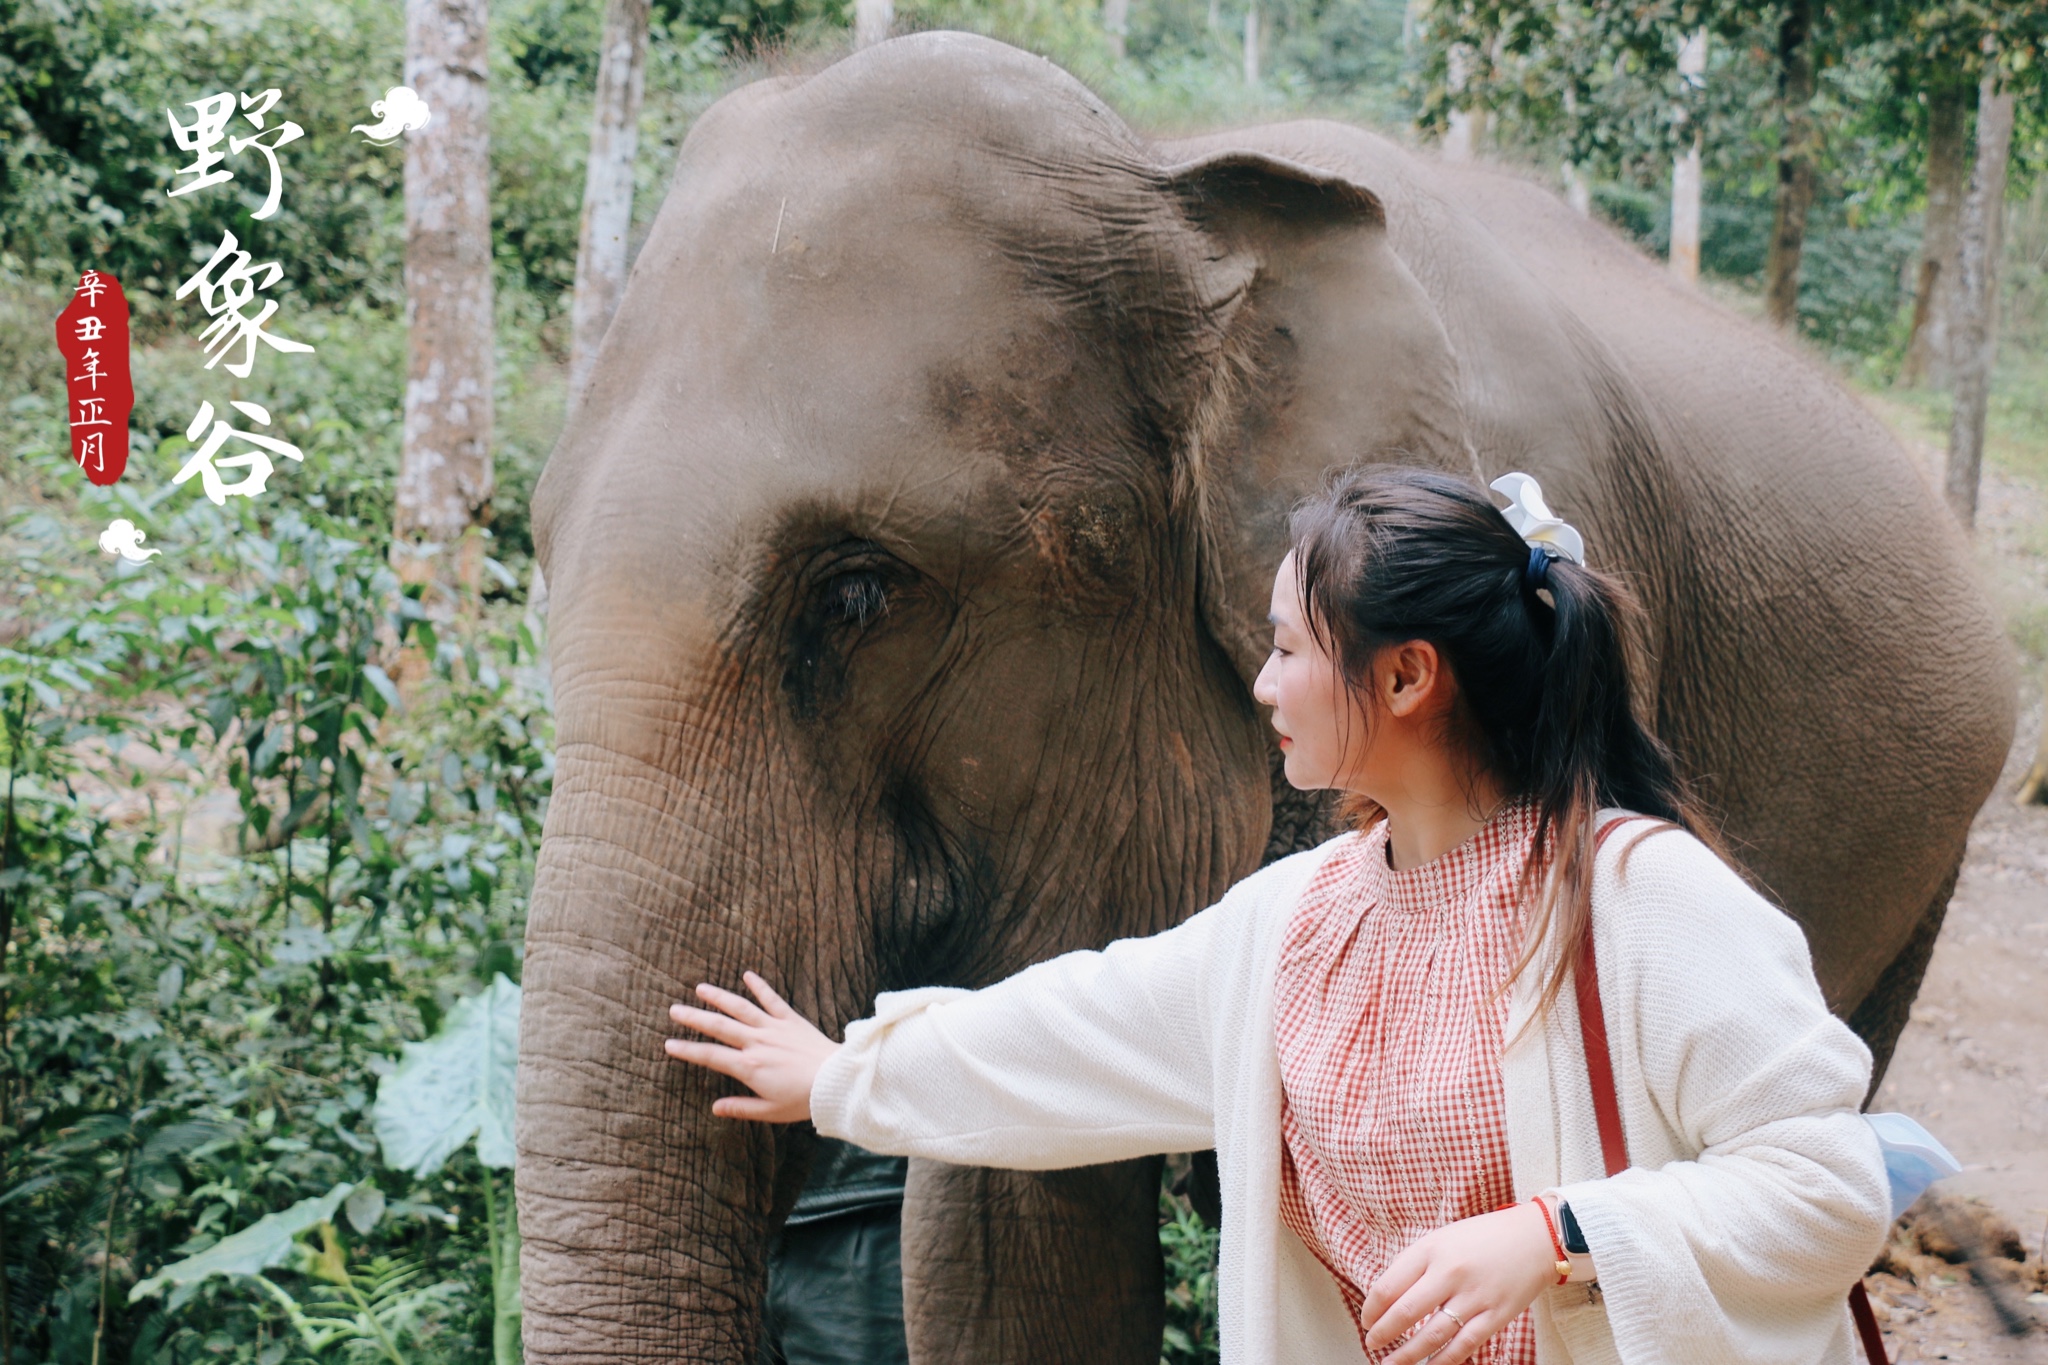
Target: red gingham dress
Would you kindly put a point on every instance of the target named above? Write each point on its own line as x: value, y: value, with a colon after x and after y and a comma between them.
x: 1389, y: 1029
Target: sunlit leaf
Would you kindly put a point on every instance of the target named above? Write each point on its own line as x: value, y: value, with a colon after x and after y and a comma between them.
x: 456, y: 1085
x: 365, y: 1207
x: 381, y: 681
x: 265, y: 1243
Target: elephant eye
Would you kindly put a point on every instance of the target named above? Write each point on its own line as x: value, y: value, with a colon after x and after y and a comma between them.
x: 856, y: 597
x: 831, y: 624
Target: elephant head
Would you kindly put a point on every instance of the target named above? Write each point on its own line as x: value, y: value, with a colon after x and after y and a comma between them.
x: 907, y: 559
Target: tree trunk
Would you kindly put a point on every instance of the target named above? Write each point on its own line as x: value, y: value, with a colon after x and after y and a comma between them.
x: 871, y: 21
x: 1976, y: 315
x: 1577, y: 192
x: 1251, y: 45
x: 1116, y: 23
x: 1685, y: 214
x: 1928, y: 359
x: 1685, y: 173
x: 444, y: 479
x: 608, y: 186
x: 1461, y: 136
x: 1795, y: 162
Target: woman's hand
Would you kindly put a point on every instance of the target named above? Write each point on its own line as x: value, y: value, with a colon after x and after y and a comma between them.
x: 772, y: 1050
x: 1462, y: 1284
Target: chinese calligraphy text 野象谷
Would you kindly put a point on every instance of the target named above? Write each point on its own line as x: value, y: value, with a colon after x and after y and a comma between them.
x: 228, y: 285
x: 92, y: 336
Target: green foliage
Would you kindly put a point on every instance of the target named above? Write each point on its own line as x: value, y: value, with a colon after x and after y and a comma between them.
x: 369, y: 1308
x: 1599, y: 81
x: 455, y: 1086
x: 1344, y: 58
x: 188, y: 1034
x: 86, y: 159
x: 1189, y: 1247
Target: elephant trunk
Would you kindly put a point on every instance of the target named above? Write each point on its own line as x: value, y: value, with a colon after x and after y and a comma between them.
x: 645, y: 1219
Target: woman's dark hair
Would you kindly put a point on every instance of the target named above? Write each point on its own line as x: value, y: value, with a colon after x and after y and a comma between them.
x: 1383, y: 556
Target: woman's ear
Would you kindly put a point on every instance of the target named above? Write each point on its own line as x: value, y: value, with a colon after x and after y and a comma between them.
x: 1411, y: 679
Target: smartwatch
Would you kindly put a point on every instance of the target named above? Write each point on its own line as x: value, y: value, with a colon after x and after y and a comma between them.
x: 1568, y: 1228
x: 1575, y: 1249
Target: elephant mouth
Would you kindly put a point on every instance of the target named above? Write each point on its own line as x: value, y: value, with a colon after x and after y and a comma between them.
x: 937, y: 924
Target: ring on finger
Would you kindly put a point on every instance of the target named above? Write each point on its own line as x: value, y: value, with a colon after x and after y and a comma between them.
x: 1445, y: 1311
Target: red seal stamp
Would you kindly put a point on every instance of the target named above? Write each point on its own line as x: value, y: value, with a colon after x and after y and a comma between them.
x: 92, y: 334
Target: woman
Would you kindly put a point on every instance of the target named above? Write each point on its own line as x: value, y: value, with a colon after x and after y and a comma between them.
x: 1375, y: 1035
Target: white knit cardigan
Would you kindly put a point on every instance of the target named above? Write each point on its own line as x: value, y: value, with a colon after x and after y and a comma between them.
x: 1757, y: 1193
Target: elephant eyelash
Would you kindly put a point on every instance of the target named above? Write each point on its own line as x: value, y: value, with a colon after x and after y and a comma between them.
x: 855, y: 597
x: 814, y: 674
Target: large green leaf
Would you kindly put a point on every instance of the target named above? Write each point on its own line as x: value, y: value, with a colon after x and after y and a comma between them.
x: 456, y: 1084
x: 263, y: 1244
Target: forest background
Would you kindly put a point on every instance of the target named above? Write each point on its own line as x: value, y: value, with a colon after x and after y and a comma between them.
x: 271, y: 815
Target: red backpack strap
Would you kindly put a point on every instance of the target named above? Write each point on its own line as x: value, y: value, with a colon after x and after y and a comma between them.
x: 1607, y: 1106
x: 1866, y: 1324
x: 1593, y: 1029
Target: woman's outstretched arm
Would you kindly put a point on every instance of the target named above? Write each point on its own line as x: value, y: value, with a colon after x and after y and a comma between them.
x: 1088, y: 1057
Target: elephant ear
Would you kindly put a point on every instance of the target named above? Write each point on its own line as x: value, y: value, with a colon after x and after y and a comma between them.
x: 1240, y: 183
x: 1238, y: 198
x: 1331, y: 355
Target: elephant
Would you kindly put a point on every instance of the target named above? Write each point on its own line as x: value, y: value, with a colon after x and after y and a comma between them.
x: 908, y: 556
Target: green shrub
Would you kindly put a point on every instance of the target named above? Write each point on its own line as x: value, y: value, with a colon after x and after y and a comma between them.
x: 193, y: 1036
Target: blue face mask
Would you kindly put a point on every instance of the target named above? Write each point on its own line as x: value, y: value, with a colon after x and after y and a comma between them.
x: 1913, y: 1158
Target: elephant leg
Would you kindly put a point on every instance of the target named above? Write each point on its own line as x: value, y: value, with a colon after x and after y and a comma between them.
x: 1033, y: 1267
x: 1882, y: 1015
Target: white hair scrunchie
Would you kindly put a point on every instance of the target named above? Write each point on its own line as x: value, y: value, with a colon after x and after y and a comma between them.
x: 1532, y: 519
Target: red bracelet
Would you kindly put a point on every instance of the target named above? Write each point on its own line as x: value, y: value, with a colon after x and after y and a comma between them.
x: 1564, y: 1264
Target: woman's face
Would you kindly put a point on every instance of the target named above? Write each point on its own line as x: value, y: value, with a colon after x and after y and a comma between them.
x: 1321, y: 728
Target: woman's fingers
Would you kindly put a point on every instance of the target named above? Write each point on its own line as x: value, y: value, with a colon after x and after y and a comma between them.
x: 769, y: 1048
x: 1435, y: 1336
x: 1454, y: 1288
x: 738, y: 1006
x: 1411, y: 1309
x: 747, y: 1107
x: 724, y: 1029
x: 710, y: 1056
x: 1396, y: 1280
x: 765, y: 993
x: 1478, y: 1328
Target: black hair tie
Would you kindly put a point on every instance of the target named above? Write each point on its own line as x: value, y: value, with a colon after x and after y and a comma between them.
x: 1536, y: 576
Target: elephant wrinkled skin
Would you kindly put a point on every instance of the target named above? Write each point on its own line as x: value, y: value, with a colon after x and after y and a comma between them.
x: 908, y: 559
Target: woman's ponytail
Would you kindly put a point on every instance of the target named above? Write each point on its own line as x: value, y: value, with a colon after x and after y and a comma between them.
x: 1539, y: 646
